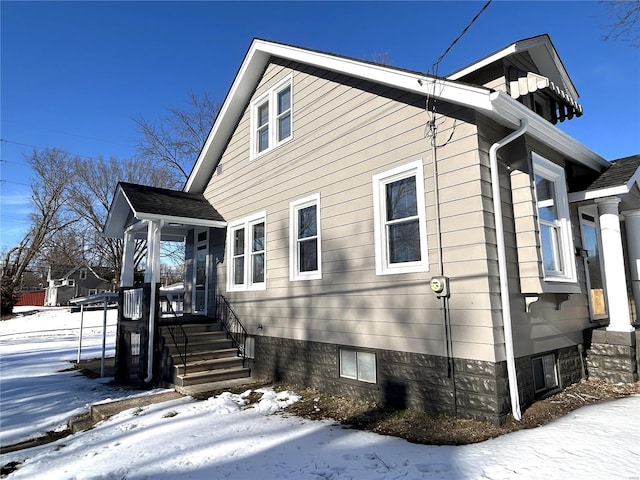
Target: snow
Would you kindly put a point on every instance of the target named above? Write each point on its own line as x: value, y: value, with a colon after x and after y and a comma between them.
x: 225, y: 438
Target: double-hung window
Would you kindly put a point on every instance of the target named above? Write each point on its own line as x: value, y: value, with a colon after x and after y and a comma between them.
x: 400, y: 220
x: 247, y: 244
x: 554, y: 222
x: 304, y: 233
x: 271, y: 118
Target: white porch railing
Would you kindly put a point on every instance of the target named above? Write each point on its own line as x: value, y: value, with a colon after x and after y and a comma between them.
x: 132, y: 304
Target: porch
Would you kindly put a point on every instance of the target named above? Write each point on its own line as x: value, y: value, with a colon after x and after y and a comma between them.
x: 191, y: 353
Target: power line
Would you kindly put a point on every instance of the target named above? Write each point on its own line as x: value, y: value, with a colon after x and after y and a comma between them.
x: 44, y: 148
x: 2, y: 180
x: 13, y: 161
x: 432, y: 126
x: 434, y: 67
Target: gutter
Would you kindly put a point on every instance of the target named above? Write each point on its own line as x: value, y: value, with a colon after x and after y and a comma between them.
x: 502, y: 266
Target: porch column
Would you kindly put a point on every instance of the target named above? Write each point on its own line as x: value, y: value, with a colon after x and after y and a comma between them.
x: 613, y: 259
x: 126, y: 271
x: 632, y: 223
x: 152, y: 276
x: 152, y: 270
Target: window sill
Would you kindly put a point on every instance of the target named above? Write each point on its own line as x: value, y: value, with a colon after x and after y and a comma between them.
x: 258, y: 155
x: 246, y: 289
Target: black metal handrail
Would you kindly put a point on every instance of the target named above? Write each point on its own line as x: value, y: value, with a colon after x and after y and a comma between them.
x: 180, y: 338
x: 233, y: 326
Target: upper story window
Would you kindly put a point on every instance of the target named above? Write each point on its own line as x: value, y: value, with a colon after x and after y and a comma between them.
x: 271, y: 118
x: 305, y: 261
x: 83, y: 274
x: 247, y: 244
x: 400, y: 220
x: 554, y: 222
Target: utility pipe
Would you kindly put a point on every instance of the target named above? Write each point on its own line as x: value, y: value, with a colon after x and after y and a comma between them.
x: 502, y: 266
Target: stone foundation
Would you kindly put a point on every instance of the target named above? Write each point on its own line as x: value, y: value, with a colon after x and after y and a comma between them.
x: 404, y: 380
x: 411, y: 380
x: 614, y: 356
x: 570, y: 368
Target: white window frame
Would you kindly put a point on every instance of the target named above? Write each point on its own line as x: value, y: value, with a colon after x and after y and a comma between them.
x: 271, y: 96
x: 246, y: 223
x: 71, y: 282
x: 380, y: 181
x: 358, y: 354
x: 564, y: 255
x: 294, y: 252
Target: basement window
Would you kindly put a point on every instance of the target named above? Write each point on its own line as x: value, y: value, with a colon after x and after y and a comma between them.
x: 545, y: 375
x: 358, y: 365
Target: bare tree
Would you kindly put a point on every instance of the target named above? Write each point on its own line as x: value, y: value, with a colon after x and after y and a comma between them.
x: 64, y: 248
x: 176, y: 139
x: 91, y: 196
x: 626, y: 23
x: 53, y: 170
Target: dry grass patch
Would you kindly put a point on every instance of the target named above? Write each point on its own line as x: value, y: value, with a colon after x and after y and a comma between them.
x: 423, y: 428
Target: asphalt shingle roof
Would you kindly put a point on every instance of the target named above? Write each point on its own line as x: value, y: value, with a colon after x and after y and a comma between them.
x: 619, y: 174
x: 162, y: 201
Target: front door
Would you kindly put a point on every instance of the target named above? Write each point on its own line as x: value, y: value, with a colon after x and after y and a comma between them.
x: 200, y: 271
x: 593, y: 262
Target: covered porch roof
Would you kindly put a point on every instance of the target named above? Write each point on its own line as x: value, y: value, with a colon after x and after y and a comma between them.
x: 622, y: 179
x: 180, y: 211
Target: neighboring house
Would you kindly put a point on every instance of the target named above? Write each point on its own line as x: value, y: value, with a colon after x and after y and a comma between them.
x: 66, y: 282
x: 435, y: 243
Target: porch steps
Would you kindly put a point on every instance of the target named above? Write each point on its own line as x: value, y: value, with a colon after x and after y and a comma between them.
x: 209, y: 376
x: 210, y: 360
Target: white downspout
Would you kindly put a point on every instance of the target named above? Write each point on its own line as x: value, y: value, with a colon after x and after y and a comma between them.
x: 153, y: 264
x: 502, y: 266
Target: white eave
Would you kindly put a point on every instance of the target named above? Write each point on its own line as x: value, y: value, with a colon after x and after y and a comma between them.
x: 542, y: 52
x: 513, y: 111
x: 256, y: 61
x: 607, y: 192
x: 496, y: 105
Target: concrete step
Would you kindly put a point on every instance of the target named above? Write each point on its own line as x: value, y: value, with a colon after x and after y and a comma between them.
x: 203, y: 345
x: 202, y: 365
x: 211, y: 376
x: 194, y: 328
x: 208, y: 389
x: 81, y: 423
x: 208, y: 354
x: 102, y: 411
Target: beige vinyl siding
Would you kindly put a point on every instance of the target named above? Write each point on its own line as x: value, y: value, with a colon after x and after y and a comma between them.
x: 344, y: 132
x: 556, y: 320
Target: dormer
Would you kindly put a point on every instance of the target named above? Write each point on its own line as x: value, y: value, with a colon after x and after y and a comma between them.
x: 531, y: 72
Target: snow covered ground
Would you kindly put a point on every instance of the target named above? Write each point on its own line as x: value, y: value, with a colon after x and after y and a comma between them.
x: 222, y: 438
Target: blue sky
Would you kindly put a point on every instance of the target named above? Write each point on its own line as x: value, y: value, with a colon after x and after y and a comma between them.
x: 74, y: 75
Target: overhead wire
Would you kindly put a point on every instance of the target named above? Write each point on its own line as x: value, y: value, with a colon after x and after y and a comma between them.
x: 431, y: 130
x: 4, y: 140
x: 431, y: 127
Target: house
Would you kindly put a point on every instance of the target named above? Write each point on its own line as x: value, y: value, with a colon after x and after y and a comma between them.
x: 65, y: 282
x: 433, y: 243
